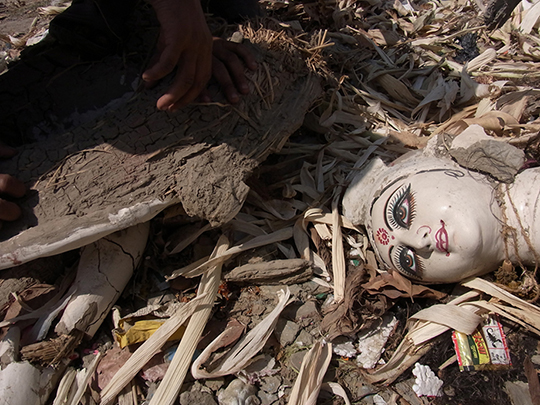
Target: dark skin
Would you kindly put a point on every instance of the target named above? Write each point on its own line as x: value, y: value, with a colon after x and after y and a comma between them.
x: 9, y: 187
x: 185, y: 44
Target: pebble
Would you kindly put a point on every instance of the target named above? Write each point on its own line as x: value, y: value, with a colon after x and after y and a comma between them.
x: 536, y: 359
x: 449, y: 390
x: 271, y: 384
x: 266, y: 398
x: 308, y: 311
x: 238, y: 393
x: 215, y: 384
x: 197, y: 397
x: 295, y: 361
x: 286, y: 332
x: 304, y: 338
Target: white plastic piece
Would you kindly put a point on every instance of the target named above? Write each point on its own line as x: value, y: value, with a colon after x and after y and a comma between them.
x: 371, y: 343
x: 345, y: 349
x: 426, y: 383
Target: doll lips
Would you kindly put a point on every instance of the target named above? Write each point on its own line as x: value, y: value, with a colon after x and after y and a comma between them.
x: 441, y: 239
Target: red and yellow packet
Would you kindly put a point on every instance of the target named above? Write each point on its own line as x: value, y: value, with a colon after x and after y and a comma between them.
x: 485, y: 349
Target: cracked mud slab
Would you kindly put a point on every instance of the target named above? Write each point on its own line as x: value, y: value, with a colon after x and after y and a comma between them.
x: 131, y: 162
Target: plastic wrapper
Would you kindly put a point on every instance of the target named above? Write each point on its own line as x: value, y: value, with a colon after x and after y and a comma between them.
x: 485, y: 349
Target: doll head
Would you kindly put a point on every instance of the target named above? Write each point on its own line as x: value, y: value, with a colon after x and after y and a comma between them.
x: 427, y: 217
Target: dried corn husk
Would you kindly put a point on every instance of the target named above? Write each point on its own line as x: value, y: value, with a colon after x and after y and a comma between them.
x: 240, y: 356
x: 308, y: 383
x: 147, y: 350
x: 171, y: 385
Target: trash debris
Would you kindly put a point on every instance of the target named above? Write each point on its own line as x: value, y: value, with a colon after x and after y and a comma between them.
x: 15, y: 379
x: 371, y: 343
x: 345, y: 349
x: 292, y: 271
x: 247, y: 347
x: 104, y: 269
x: 397, y: 77
x: 426, y: 383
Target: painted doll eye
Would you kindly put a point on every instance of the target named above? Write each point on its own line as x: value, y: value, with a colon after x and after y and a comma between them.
x: 407, y: 262
x: 400, y: 208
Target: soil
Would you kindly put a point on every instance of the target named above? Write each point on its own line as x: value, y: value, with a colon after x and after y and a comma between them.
x: 210, y: 155
x: 90, y: 152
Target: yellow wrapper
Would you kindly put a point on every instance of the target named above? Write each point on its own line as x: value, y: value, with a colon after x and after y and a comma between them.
x: 141, y: 331
x: 471, y: 351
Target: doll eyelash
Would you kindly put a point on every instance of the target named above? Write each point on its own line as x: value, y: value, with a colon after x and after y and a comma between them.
x: 416, y: 270
x: 398, y: 197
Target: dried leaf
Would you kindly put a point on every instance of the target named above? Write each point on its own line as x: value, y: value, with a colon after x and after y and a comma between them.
x: 308, y: 383
x: 169, y: 388
x: 147, y: 350
x: 241, y: 354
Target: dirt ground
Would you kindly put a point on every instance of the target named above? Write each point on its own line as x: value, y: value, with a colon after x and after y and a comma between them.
x: 51, y: 93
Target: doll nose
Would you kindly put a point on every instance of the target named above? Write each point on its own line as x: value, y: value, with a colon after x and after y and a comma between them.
x: 420, y: 240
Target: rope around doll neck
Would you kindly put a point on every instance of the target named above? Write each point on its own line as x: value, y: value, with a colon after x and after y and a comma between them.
x: 510, y: 233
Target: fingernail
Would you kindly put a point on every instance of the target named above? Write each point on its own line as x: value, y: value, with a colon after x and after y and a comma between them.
x: 244, y: 88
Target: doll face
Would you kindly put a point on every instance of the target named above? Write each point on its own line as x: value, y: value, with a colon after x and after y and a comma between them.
x: 437, y: 226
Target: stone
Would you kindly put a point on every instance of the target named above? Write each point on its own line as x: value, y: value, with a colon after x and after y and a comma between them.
x: 295, y: 361
x: 266, y: 398
x: 304, y: 339
x: 197, y: 397
x: 308, y: 311
x: 536, y: 359
x: 238, y: 393
x: 271, y: 384
x: 215, y: 384
x: 286, y: 332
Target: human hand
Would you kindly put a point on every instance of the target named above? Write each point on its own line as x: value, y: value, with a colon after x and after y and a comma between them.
x: 185, y: 43
x: 9, y: 186
x: 228, y: 60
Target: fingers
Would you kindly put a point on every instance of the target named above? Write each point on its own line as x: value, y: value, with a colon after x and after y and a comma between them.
x: 228, y: 68
x: 9, y: 185
x: 221, y: 74
x: 6, y: 152
x: 162, y: 63
x: 193, y: 72
x: 235, y: 69
x: 189, y: 82
x: 243, y: 52
x: 185, y: 44
x: 9, y: 211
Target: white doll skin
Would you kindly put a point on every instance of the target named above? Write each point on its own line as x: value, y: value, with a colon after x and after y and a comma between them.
x: 436, y: 222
